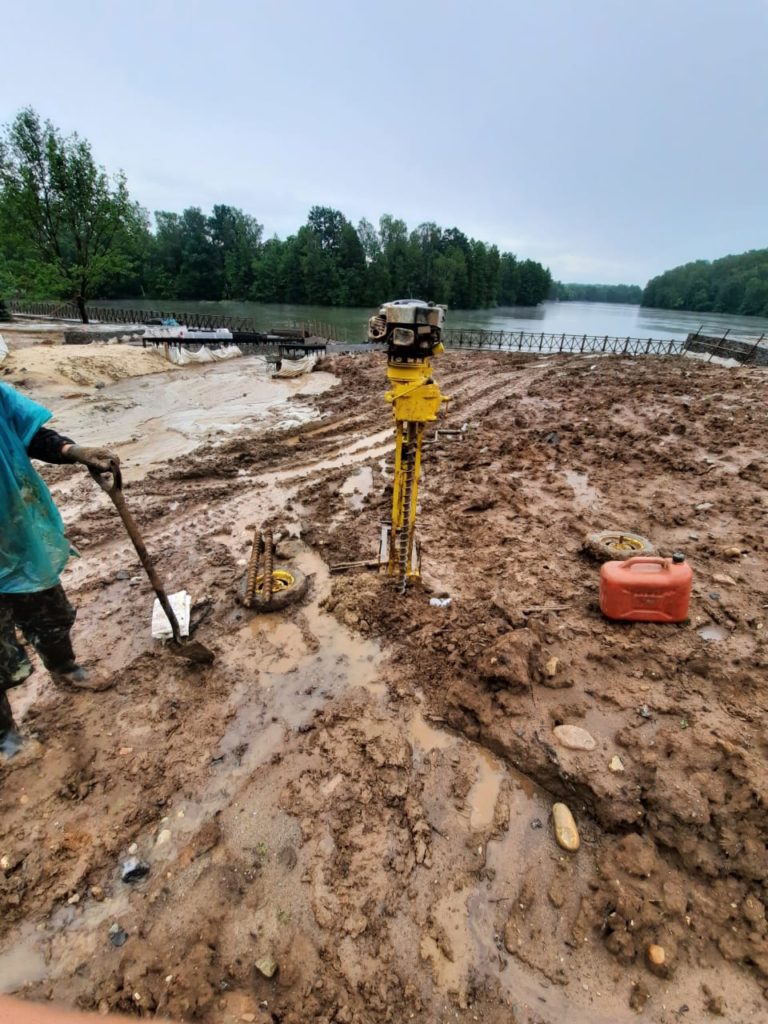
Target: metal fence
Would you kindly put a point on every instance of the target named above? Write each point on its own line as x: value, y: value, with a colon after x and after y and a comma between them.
x: 209, y: 321
x: 527, y: 341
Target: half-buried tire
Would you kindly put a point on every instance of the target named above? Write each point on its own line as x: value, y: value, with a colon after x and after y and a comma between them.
x: 288, y: 586
x: 617, y: 545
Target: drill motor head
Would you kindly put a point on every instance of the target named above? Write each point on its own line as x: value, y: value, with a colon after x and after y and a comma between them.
x: 410, y: 327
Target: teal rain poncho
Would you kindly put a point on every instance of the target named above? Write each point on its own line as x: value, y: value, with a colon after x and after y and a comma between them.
x: 33, y: 548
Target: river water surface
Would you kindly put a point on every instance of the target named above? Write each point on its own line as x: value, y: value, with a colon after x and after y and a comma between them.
x: 598, y: 318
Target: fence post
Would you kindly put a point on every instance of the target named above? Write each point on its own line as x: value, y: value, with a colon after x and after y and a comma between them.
x: 753, y: 350
x: 626, y: 346
x: 720, y: 345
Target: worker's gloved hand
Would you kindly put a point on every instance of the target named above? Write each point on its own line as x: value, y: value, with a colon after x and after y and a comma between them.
x: 102, y: 460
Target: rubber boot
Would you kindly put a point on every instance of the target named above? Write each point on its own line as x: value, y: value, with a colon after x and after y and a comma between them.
x: 78, y: 677
x: 10, y: 737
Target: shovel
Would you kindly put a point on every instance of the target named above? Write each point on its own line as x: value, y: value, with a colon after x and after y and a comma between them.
x: 192, y: 650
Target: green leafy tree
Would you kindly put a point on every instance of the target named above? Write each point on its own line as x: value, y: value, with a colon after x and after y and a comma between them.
x: 64, y: 215
x: 236, y: 240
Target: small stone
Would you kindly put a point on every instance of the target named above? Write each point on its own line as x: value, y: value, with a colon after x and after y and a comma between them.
x: 703, y: 506
x: 5, y: 863
x: 133, y: 849
x: 73, y: 899
x: 574, y: 738
x: 723, y: 580
x: 732, y: 552
x: 644, y: 711
x: 97, y: 893
x: 163, y: 837
x: 249, y: 1018
x: 125, y: 751
x: 355, y: 924
x: 122, y: 574
x: 693, y: 536
x: 266, y: 966
x: 616, y: 765
x: 638, y: 997
x: 23, y: 799
x: 117, y: 936
x: 715, y: 1004
x: 566, y: 833
x: 551, y: 666
x: 133, y: 870
x: 656, y: 959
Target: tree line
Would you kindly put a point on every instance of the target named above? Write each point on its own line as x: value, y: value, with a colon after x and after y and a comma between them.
x: 627, y: 293
x: 733, y: 284
x: 70, y: 230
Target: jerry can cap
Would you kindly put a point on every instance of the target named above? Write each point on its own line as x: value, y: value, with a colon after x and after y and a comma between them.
x: 678, y: 557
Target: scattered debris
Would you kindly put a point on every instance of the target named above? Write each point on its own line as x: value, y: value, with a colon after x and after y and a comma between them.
x: 117, y: 936
x: 133, y: 870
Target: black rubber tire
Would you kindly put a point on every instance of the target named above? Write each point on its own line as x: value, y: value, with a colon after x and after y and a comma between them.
x: 617, y: 545
x: 281, y: 598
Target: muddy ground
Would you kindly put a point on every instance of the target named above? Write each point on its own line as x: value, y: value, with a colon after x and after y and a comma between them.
x: 359, y: 790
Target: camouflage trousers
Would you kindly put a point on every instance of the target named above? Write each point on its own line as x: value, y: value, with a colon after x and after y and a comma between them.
x: 45, y: 620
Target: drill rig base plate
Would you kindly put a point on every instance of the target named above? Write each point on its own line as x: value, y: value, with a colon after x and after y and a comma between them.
x: 385, y: 553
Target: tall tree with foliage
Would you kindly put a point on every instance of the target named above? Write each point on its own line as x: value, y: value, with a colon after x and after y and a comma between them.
x: 65, y: 219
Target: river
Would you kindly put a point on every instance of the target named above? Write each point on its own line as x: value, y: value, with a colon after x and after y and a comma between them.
x: 597, y: 318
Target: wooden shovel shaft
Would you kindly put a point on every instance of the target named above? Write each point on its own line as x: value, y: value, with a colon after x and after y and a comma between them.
x: 116, y: 494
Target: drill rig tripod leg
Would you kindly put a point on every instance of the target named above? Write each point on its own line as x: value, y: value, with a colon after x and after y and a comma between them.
x: 403, y: 559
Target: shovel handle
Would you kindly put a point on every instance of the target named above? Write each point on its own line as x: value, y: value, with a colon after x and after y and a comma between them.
x: 115, y: 491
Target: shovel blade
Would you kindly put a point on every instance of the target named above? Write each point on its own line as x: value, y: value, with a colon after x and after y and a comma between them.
x: 193, y: 651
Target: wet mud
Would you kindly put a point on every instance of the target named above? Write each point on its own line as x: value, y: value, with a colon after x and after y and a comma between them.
x: 347, y: 818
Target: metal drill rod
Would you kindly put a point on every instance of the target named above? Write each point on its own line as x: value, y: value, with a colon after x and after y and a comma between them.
x: 253, y: 567
x: 405, y: 538
x: 268, y: 565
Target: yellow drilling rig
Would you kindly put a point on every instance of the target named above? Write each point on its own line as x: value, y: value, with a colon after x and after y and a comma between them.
x: 411, y: 330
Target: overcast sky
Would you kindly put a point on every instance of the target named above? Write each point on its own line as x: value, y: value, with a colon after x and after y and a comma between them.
x: 610, y: 139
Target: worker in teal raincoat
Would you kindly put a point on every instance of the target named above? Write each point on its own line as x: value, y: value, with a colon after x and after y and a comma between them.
x: 33, y: 552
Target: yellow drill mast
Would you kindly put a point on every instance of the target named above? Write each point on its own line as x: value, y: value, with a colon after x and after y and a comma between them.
x: 411, y: 330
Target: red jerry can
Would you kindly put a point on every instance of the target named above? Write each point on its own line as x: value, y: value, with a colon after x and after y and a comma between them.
x: 646, y: 589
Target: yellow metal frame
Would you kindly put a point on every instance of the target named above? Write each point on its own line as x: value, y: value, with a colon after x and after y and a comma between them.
x: 415, y: 400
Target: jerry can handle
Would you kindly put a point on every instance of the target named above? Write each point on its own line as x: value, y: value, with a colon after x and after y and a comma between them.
x: 647, y: 560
